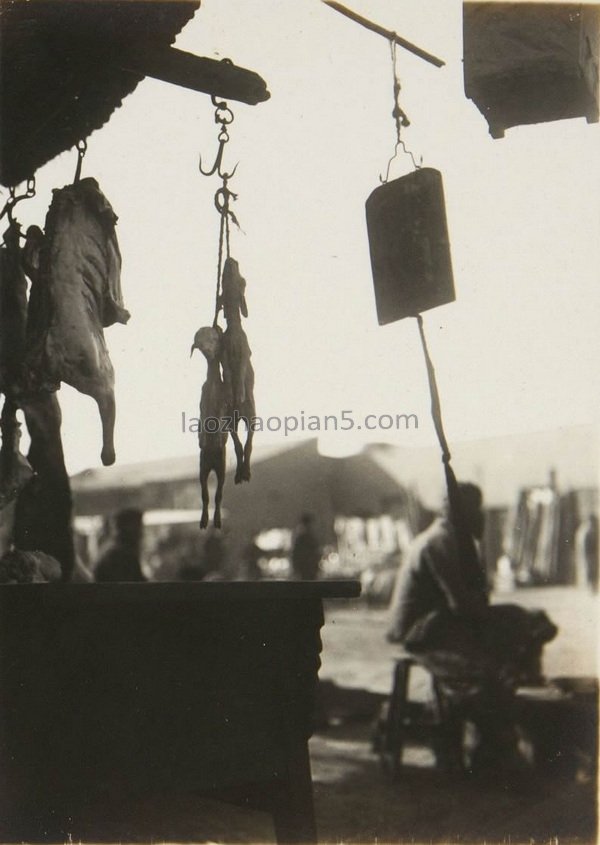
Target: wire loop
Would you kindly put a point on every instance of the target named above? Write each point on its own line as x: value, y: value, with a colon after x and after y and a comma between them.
x: 400, y: 117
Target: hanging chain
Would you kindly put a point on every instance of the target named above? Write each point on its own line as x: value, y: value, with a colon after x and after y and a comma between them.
x: 224, y: 117
x: 400, y: 117
x: 10, y: 203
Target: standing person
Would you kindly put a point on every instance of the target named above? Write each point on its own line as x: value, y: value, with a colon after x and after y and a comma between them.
x: 306, y: 550
x: 586, y: 550
x: 121, y: 559
x: 251, y: 555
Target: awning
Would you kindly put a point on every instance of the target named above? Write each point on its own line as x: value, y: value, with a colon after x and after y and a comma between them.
x: 66, y: 65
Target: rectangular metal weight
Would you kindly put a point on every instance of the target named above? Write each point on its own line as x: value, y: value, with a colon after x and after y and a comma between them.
x: 409, y: 246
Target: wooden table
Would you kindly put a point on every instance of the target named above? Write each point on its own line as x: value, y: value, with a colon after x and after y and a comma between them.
x: 143, y: 688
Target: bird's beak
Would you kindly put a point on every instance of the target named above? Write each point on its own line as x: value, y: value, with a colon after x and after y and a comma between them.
x: 192, y: 349
x: 244, y: 307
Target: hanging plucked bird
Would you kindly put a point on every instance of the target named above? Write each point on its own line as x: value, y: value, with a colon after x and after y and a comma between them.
x: 228, y: 393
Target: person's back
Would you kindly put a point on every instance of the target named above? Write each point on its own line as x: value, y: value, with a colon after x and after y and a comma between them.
x: 417, y: 591
x: 119, y: 563
x: 121, y: 560
x: 306, y: 552
x: 431, y: 579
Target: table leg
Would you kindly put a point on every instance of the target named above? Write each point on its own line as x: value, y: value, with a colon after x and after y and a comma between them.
x: 293, y: 806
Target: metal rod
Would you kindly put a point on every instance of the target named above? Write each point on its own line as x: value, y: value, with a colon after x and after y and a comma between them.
x: 387, y: 33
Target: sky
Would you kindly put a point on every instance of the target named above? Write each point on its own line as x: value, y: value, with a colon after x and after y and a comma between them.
x: 517, y: 352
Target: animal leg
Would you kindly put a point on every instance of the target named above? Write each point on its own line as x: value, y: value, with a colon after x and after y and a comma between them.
x: 106, y: 406
x: 239, y: 454
x: 204, y: 472
x: 219, y: 491
x: 247, y: 449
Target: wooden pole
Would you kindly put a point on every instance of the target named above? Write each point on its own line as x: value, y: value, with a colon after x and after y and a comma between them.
x: 223, y: 79
x: 386, y: 33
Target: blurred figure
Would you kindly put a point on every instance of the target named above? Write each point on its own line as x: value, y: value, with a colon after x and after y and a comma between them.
x: 18, y: 567
x: 121, y: 559
x: 432, y: 578
x: 214, y: 554
x: 306, y: 551
x: 191, y: 567
x: 478, y: 653
x: 586, y: 550
x: 251, y: 555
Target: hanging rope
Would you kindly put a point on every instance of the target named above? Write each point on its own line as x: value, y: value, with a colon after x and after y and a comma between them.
x: 468, y: 556
x: 223, y: 242
x: 436, y: 408
x: 400, y: 117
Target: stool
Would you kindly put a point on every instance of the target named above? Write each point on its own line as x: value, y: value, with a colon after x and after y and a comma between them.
x: 435, y: 726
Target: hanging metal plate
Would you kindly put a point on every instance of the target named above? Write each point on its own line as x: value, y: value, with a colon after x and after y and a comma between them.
x: 410, y: 250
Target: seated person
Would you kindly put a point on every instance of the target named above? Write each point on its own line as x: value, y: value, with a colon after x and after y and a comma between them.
x: 432, y: 579
x: 441, y: 614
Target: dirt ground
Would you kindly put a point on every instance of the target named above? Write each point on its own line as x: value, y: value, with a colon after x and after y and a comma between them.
x: 356, y: 803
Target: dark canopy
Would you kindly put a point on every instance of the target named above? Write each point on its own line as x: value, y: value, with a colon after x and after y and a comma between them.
x: 60, y: 75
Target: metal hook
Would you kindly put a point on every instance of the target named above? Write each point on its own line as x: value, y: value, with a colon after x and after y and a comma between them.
x: 216, y: 168
x: 81, y: 146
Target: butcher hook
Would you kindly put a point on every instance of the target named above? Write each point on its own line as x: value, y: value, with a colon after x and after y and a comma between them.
x: 224, y: 116
x: 216, y: 168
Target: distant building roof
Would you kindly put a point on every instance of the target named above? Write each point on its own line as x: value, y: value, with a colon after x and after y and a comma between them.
x: 181, y: 468
x: 500, y: 465
x: 292, y: 476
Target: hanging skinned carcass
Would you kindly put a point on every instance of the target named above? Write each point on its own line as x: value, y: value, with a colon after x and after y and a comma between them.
x: 238, y: 373
x: 75, y: 269
x: 35, y: 496
x: 14, y: 469
x: 212, y: 432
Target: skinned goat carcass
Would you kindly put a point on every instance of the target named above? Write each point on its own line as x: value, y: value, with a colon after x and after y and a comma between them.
x: 76, y: 293
x: 212, y: 433
x: 238, y: 373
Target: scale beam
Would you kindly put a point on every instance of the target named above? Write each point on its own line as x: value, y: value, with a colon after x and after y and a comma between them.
x: 386, y: 33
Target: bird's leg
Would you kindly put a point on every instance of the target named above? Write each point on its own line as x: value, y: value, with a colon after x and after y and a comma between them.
x: 220, y: 471
x: 204, y: 472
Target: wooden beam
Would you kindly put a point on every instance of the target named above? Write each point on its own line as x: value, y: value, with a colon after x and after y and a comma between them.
x: 221, y: 78
x: 387, y: 33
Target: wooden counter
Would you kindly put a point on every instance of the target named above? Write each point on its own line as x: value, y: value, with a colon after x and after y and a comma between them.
x: 136, y: 689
